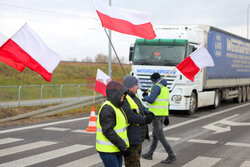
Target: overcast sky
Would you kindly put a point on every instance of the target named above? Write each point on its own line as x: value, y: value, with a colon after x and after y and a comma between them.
x: 73, y: 30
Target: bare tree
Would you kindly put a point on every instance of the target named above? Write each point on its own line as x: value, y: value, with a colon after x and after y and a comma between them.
x: 87, y: 59
x: 122, y: 59
x: 101, y: 58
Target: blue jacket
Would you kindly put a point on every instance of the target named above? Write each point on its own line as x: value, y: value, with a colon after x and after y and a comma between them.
x: 155, y: 91
x: 136, y: 134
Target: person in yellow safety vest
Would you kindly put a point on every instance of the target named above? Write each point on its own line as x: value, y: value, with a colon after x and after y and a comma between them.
x: 138, y: 117
x: 158, y: 104
x: 111, y: 135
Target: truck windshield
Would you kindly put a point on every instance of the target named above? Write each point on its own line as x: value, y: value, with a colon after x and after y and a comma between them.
x: 158, y: 55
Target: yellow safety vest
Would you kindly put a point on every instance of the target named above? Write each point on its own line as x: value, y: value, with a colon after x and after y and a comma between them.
x: 160, y: 106
x: 102, y: 143
x: 132, y: 104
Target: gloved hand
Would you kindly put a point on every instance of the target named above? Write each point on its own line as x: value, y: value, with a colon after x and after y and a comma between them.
x: 149, y: 117
x: 145, y: 94
x: 166, y: 121
x: 126, y: 152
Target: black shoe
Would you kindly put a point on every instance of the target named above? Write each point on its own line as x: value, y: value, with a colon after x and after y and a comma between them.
x: 147, y: 156
x: 169, y: 159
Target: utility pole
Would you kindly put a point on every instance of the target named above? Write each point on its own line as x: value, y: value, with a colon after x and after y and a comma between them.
x: 247, y: 19
x: 110, y: 51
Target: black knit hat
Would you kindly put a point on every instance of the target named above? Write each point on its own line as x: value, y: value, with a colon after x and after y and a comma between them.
x: 155, y: 76
x: 129, y: 81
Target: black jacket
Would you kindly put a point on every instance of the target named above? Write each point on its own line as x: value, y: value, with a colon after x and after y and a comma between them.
x: 107, y: 116
x: 136, y: 134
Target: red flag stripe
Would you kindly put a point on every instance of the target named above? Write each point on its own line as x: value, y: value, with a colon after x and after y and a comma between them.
x: 141, y: 30
x: 12, y: 51
x: 188, y: 68
x: 100, y: 87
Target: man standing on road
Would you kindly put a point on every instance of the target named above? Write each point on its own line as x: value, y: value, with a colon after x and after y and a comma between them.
x: 138, y: 117
x: 111, y: 136
x: 158, y: 104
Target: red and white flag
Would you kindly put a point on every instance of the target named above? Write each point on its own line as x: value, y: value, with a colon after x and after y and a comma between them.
x: 18, y: 66
x: 27, y: 48
x: 125, y: 20
x: 102, y: 80
x: 199, y: 59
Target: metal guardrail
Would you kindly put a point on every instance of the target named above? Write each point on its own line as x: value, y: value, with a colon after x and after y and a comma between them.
x: 13, y: 94
x: 57, y: 109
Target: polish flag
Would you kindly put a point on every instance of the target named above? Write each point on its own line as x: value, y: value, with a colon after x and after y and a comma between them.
x: 102, y: 80
x: 17, y: 66
x: 199, y: 59
x: 125, y: 20
x: 27, y: 48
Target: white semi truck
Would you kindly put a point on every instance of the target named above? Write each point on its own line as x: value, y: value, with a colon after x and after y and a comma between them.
x: 228, y: 79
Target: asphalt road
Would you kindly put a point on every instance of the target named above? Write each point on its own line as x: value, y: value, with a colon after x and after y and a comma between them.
x: 218, y: 138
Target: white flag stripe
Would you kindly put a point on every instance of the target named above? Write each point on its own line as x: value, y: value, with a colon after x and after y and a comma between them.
x: 132, y: 16
x: 245, y: 164
x: 9, y: 140
x: 56, y: 129
x: 87, y: 161
x: 46, y: 156
x: 202, y: 161
x: 25, y: 147
x: 202, y: 58
x: 32, y: 44
x: 102, y: 77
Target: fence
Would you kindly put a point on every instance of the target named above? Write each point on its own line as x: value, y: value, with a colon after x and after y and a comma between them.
x: 12, y: 96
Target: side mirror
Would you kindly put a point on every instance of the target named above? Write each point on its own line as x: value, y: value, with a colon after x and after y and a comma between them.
x: 194, y: 48
x: 131, y: 52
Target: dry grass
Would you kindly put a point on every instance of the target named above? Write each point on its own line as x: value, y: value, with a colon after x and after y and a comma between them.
x: 26, y: 121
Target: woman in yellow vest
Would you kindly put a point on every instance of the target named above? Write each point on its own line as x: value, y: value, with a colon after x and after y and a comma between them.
x: 158, y: 104
x: 111, y: 136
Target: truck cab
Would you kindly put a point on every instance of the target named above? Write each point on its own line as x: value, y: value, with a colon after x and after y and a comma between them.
x: 171, y: 46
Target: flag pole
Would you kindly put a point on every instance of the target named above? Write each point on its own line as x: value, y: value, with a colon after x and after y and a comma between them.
x: 164, y: 76
x: 115, y: 52
x: 94, y: 98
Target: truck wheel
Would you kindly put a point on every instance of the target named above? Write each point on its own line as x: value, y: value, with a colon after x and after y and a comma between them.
x: 239, y: 98
x: 248, y: 93
x: 216, y: 99
x: 244, y: 94
x: 192, y: 104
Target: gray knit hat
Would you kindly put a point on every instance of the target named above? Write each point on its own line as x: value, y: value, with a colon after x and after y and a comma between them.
x: 129, y: 81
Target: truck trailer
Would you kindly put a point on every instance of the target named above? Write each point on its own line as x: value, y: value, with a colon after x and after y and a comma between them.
x: 228, y: 79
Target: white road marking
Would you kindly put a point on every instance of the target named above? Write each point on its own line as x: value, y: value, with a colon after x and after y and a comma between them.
x: 157, y: 158
x: 202, y: 161
x: 9, y: 140
x: 202, y: 141
x: 245, y: 164
x: 56, y: 129
x: 25, y: 147
x: 46, y: 156
x: 173, y: 138
x: 165, y: 128
x: 201, y: 118
x: 42, y: 125
x: 86, y: 161
x: 237, y: 144
x: 82, y: 131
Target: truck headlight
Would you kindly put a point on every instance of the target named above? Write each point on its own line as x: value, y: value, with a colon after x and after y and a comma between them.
x: 176, y: 98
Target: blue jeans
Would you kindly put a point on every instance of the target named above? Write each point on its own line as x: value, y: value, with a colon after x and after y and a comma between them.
x: 159, y: 135
x: 111, y: 160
